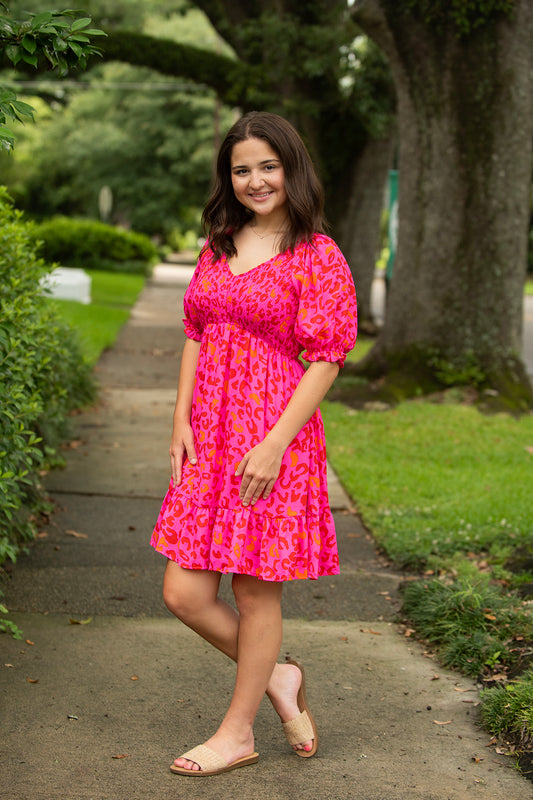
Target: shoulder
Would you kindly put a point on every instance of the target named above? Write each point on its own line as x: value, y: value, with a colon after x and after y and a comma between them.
x: 322, y: 251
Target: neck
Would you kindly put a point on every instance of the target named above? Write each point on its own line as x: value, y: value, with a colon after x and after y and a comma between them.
x: 272, y: 224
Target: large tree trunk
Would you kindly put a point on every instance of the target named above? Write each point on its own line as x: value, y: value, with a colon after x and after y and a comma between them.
x: 465, y: 121
x: 360, y: 226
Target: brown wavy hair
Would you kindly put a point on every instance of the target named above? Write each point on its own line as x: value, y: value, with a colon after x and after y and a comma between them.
x: 224, y: 215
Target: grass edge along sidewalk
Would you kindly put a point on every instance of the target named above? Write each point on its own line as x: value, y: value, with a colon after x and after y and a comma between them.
x: 443, y: 489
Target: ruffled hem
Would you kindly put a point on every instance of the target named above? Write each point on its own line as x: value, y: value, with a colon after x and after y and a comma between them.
x: 191, y: 331
x: 240, y: 541
x: 333, y: 356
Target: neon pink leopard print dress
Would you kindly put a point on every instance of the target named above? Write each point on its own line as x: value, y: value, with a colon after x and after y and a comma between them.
x: 252, y: 327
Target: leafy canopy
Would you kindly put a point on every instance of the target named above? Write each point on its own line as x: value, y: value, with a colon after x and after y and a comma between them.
x: 59, y: 36
x: 465, y: 15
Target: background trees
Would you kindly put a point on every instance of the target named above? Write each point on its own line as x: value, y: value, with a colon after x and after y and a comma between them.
x: 463, y: 78
x: 149, y: 138
x: 302, y: 59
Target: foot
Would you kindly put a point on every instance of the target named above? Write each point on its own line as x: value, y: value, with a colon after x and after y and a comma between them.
x: 283, y: 691
x: 229, y: 747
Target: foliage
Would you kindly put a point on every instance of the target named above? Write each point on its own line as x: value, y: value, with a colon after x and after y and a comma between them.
x: 90, y: 244
x: 432, y: 480
x: 473, y: 625
x: 7, y: 626
x: 466, y: 15
x: 63, y: 42
x: 149, y: 138
x: 43, y: 377
x: 508, y: 710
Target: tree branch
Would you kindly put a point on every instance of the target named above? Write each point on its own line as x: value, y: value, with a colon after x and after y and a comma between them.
x: 225, y: 75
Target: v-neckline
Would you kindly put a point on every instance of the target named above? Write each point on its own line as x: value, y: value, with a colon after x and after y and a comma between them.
x: 252, y: 269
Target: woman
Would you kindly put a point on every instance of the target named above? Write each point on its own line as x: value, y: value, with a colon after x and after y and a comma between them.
x: 248, y: 494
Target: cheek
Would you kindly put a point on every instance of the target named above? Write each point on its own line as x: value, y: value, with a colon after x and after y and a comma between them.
x: 237, y: 187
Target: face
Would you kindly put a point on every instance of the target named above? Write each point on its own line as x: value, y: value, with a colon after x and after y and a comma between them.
x: 258, y: 178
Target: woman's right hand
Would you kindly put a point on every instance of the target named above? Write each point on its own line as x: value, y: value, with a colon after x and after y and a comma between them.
x: 181, y: 447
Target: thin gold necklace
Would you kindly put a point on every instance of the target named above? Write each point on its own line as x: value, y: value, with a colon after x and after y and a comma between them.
x: 264, y: 235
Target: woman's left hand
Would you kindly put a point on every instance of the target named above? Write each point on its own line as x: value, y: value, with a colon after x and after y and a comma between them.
x: 259, y: 468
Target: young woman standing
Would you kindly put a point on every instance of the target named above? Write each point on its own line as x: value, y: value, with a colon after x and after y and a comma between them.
x: 248, y: 494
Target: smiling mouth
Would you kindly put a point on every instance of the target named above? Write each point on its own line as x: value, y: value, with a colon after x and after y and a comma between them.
x: 261, y: 196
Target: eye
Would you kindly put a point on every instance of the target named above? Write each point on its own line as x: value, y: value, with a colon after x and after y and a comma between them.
x: 240, y: 171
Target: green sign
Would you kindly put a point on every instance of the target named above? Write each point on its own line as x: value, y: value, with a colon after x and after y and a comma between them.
x: 393, y: 220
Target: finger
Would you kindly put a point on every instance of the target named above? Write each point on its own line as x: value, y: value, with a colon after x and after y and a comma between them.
x: 176, y: 470
x: 241, y: 466
x: 176, y: 460
x: 253, y: 492
x: 256, y: 495
x: 268, y: 489
x: 191, y: 453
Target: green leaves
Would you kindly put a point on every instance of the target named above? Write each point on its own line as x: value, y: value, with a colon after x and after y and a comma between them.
x: 465, y: 15
x: 52, y: 35
x: 43, y: 376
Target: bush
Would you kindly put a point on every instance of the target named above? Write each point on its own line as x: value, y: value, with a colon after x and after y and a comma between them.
x: 508, y: 710
x: 472, y: 624
x: 90, y: 244
x: 43, y: 377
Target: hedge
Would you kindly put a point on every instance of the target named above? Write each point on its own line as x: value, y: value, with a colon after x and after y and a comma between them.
x: 42, y: 377
x: 90, y: 244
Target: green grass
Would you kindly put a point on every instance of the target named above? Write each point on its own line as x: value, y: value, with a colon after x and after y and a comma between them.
x: 509, y: 709
x: 529, y: 287
x: 98, y: 324
x: 111, y: 288
x: 362, y: 346
x: 433, y: 480
x: 472, y: 624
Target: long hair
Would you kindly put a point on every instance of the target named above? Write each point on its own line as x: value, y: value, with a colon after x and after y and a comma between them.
x: 224, y: 215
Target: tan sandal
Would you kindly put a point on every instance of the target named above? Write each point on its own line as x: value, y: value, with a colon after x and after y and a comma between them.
x: 303, y: 727
x: 210, y: 762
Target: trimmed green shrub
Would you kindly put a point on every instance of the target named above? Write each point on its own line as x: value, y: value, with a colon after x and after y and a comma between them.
x: 90, y: 244
x: 42, y: 377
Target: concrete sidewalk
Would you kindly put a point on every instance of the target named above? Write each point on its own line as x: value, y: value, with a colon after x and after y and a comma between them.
x: 109, y: 688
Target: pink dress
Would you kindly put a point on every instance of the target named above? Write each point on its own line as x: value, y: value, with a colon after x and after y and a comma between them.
x: 252, y: 328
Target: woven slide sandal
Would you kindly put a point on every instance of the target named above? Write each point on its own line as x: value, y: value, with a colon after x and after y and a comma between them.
x: 303, y: 727
x: 210, y: 763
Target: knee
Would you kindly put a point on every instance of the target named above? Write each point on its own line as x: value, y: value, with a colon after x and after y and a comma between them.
x: 180, y: 603
x: 253, y: 597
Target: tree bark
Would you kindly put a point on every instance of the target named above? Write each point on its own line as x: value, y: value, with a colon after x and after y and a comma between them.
x: 360, y: 228
x: 465, y: 122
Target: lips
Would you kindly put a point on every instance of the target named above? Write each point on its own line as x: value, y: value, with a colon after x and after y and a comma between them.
x: 262, y: 196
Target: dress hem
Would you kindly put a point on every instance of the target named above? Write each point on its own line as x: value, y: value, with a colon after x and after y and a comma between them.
x: 210, y: 568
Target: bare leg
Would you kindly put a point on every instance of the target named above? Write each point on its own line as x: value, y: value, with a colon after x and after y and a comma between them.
x: 192, y: 596
x: 259, y: 642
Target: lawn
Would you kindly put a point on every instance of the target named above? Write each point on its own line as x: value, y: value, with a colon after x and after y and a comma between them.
x: 432, y: 480
x: 98, y: 324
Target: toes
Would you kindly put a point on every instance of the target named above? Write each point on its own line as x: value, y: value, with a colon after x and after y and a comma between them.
x: 307, y: 746
x: 183, y: 763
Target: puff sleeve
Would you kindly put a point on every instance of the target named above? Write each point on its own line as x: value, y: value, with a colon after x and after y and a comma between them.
x: 192, y: 322
x: 326, y: 323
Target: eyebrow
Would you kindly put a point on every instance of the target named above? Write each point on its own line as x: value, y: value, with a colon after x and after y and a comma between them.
x: 261, y: 163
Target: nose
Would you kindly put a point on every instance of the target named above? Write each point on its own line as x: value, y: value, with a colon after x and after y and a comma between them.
x: 256, y: 180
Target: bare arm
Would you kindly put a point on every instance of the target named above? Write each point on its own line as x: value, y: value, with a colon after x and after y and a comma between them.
x: 261, y: 465
x: 182, y: 441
